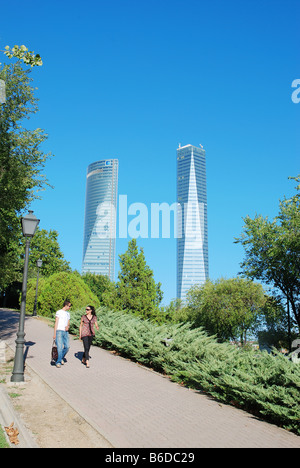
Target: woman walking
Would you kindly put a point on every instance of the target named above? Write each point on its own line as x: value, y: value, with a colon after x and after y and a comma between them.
x: 87, y: 332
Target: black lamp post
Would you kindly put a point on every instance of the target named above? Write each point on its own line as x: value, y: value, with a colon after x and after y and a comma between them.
x: 29, y: 225
x: 39, y: 264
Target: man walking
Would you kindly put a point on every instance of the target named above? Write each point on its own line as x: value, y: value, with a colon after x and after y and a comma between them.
x: 61, y: 332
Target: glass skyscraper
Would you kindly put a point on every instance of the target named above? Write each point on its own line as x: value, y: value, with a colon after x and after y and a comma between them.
x: 192, y: 236
x: 100, y: 218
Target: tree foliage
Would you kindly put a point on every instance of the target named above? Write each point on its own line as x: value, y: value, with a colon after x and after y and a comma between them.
x: 57, y: 288
x: 136, y: 290
x: 45, y: 246
x: 22, y: 53
x: 228, y: 308
x: 98, y: 284
x: 21, y: 160
x: 273, y: 250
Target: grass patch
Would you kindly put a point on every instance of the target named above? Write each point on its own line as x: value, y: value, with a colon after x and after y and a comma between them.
x: 3, y: 440
x: 14, y: 395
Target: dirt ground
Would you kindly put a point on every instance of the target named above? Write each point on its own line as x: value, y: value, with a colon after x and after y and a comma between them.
x: 51, y: 421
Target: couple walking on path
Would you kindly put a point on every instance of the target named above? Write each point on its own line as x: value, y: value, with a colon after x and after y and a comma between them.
x: 86, y: 332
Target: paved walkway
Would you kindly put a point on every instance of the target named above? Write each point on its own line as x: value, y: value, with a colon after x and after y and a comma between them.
x: 132, y: 406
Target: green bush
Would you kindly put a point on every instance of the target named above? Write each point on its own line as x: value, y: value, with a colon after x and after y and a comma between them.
x: 55, y: 289
x: 266, y: 385
x: 30, y: 297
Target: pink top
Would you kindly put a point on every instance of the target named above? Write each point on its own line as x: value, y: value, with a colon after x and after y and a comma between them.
x: 88, y: 326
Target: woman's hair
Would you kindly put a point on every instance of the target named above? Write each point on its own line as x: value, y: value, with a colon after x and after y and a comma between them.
x: 92, y: 309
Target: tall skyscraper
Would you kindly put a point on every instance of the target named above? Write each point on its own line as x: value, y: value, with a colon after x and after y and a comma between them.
x: 192, y: 236
x: 100, y: 218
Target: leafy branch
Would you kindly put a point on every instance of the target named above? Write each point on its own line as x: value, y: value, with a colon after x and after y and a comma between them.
x: 22, y: 53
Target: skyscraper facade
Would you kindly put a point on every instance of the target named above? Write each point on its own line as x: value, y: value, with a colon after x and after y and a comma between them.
x: 99, y: 241
x: 192, y: 235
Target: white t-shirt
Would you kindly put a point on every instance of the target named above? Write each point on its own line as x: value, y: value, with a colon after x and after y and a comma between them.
x: 63, y: 319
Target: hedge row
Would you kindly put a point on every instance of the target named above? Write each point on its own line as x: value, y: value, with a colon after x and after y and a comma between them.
x: 264, y: 384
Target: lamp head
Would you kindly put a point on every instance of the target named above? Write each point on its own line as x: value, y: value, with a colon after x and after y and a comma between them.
x: 29, y: 224
x: 2, y: 92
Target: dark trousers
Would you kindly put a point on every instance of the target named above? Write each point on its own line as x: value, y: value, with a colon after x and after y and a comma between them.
x: 87, y: 343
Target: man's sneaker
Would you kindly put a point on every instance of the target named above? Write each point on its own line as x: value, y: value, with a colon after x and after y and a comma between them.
x: 58, y: 365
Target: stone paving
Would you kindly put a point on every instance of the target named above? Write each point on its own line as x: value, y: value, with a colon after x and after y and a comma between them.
x: 134, y: 407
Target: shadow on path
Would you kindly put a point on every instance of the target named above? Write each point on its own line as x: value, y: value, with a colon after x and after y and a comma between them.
x: 8, y: 324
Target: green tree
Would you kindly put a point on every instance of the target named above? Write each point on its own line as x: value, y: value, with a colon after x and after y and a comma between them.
x: 136, y: 290
x: 273, y: 250
x: 22, y: 53
x: 228, y: 308
x: 174, y: 312
x: 275, y: 331
x: 55, y: 289
x: 21, y: 159
x: 45, y: 246
x: 98, y: 284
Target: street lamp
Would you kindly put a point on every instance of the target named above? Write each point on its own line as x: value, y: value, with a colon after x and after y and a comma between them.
x: 39, y: 264
x: 2, y: 92
x: 29, y: 225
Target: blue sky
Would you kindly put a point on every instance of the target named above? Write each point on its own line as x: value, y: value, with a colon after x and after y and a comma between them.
x: 133, y: 79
